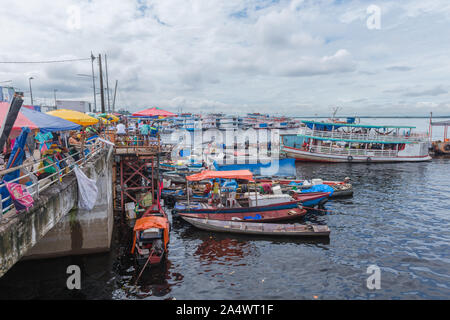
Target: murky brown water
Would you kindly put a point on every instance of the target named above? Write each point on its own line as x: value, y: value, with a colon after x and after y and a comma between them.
x: 398, y: 219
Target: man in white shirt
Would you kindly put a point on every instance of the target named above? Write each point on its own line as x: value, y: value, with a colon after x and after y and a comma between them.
x: 120, y: 129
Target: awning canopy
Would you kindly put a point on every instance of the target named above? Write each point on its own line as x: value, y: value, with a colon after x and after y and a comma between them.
x: 74, y: 116
x: 441, y: 123
x: 153, y: 112
x: 37, y: 120
x: 148, y: 222
x: 329, y: 126
x: 232, y: 174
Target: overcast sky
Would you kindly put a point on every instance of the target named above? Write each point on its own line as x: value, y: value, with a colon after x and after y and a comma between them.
x: 278, y: 57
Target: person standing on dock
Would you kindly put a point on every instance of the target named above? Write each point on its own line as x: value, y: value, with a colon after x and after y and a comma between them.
x: 120, y: 128
x: 120, y: 132
x: 216, y: 191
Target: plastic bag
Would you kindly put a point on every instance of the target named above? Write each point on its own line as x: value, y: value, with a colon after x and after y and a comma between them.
x: 20, y: 196
x: 87, y: 190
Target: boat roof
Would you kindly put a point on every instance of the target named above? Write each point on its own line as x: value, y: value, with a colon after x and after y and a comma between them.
x: 337, y: 125
x: 150, y: 222
x: 441, y: 123
x: 231, y: 174
x: 353, y: 140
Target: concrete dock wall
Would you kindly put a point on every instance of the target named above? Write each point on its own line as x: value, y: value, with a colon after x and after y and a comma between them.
x: 55, y: 226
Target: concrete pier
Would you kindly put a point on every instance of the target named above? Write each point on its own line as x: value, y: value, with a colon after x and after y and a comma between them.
x: 54, y: 226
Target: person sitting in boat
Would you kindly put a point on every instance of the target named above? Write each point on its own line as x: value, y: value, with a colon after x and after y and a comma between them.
x: 266, y: 188
x: 216, y: 191
x: 207, y: 189
x: 75, y: 145
x: 305, y: 145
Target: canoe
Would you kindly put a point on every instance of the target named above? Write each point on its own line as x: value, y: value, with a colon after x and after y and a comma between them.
x: 311, y: 199
x: 255, y: 228
x: 261, y: 216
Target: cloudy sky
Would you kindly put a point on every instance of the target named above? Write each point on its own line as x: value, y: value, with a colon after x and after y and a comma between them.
x: 276, y: 56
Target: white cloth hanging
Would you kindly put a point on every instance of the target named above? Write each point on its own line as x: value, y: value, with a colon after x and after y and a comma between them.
x: 87, y: 190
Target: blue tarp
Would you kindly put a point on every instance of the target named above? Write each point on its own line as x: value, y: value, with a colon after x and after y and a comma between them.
x: 48, y: 123
x: 322, y: 127
x: 18, y: 149
x: 319, y: 188
x: 282, y: 167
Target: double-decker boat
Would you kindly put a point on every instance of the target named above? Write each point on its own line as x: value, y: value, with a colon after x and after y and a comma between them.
x: 349, y: 142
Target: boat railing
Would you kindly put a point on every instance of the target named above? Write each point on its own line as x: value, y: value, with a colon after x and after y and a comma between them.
x: 353, y: 152
x: 416, y: 137
x: 132, y: 142
x: 38, y: 186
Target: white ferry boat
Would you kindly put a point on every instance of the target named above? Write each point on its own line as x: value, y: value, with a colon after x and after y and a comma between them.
x: 349, y: 142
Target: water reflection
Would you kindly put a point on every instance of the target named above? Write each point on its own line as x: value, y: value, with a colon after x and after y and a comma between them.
x: 397, y: 219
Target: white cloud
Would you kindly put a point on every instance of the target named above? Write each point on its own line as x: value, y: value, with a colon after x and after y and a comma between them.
x: 241, y: 56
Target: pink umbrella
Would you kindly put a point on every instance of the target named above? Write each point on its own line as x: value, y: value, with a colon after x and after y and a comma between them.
x: 154, y: 112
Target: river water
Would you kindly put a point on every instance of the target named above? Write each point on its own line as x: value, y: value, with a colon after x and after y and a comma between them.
x: 398, y: 220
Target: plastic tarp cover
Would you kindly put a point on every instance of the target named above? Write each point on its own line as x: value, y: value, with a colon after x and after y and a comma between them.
x: 37, y: 120
x: 87, y: 190
x: 48, y: 123
x: 319, y: 188
x: 232, y: 174
x: 281, y: 167
x: 20, y: 196
x: 152, y: 222
x: 17, y: 155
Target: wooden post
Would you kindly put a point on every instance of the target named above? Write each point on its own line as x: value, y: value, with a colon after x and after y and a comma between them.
x: 187, y: 192
x: 102, y: 94
x: 256, y: 195
x: 431, y: 128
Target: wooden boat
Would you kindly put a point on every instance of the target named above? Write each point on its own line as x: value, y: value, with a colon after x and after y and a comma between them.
x: 341, y: 188
x: 255, y: 228
x: 441, y: 148
x: 311, y: 199
x: 151, y: 236
x: 225, y: 214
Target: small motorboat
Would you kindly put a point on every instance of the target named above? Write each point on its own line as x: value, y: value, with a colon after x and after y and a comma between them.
x: 255, y: 228
x: 151, y: 234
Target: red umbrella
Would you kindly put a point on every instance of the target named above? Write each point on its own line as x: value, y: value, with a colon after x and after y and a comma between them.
x: 153, y: 112
x: 35, y: 120
x: 21, y: 121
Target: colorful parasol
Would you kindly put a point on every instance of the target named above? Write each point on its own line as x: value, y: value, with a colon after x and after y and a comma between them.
x: 74, y: 116
x: 154, y: 112
x: 28, y: 118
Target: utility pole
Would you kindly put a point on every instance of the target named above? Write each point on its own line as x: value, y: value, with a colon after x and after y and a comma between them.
x: 107, y: 83
x: 102, y: 93
x: 114, y: 100
x: 93, y: 81
x: 54, y: 94
x: 10, y: 118
x: 31, y: 91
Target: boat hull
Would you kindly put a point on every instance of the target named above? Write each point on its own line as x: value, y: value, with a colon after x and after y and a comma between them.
x: 260, y: 216
x: 311, y: 199
x: 301, y: 155
x: 254, y: 228
x: 277, y: 206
